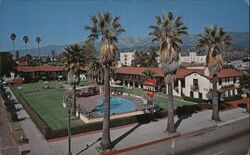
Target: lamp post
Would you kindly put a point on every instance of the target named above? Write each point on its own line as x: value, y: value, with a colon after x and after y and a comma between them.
x: 69, y: 107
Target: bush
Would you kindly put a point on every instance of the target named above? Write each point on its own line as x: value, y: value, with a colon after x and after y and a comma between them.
x: 232, y: 98
x: 13, y: 116
x: 187, y: 110
x: 196, y: 100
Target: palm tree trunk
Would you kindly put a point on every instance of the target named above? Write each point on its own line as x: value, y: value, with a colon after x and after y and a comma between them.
x: 105, y: 143
x: 170, y: 126
x: 215, y: 114
x: 14, y: 49
x: 74, y: 100
x: 26, y: 52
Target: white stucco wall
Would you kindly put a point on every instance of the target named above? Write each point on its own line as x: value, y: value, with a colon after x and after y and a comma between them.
x: 203, y: 83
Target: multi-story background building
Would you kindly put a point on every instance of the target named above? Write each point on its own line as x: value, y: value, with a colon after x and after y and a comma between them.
x: 126, y: 58
x: 192, y: 58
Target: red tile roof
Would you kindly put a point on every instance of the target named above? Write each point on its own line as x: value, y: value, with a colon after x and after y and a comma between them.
x: 181, y: 73
x: 44, y: 68
x: 230, y: 72
x: 138, y: 70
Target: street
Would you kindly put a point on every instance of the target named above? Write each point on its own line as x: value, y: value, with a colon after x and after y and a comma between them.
x: 230, y: 139
x: 7, y: 143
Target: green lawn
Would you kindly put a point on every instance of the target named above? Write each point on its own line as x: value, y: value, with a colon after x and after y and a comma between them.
x: 161, y: 97
x: 48, y: 103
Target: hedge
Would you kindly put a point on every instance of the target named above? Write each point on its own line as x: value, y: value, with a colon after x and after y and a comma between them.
x: 232, y: 98
x: 197, y: 100
x: 33, y: 115
x: 48, y: 133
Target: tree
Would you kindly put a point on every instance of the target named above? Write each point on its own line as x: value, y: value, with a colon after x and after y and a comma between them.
x: 53, y: 55
x: 73, y: 60
x: 38, y: 40
x: 7, y: 64
x: 89, y: 50
x: 245, y: 85
x: 108, y: 28
x: 13, y: 38
x: 152, y: 55
x: 168, y: 31
x: 214, y: 41
x: 96, y: 70
x: 148, y: 74
x: 17, y: 55
x: 25, y: 40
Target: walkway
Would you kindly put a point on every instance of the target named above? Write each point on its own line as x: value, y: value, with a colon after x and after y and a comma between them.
x: 8, y: 146
x: 137, y: 134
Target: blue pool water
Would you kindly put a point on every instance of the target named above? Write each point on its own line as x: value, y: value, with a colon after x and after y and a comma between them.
x: 117, y: 105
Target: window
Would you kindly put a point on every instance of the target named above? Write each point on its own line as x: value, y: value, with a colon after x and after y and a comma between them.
x: 220, y: 81
x: 234, y: 79
x: 195, y: 82
x: 200, y: 95
x: 191, y: 94
x: 183, y: 83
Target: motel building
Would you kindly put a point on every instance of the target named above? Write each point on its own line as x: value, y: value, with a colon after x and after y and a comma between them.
x: 51, y: 72
x: 192, y: 80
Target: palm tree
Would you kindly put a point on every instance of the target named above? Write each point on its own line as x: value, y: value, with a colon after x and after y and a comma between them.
x: 13, y: 38
x: 104, y: 26
x: 213, y: 41
x: 53, y: 55
x: 73, y: 60
x: 168, y: 31
x: 96, y: 70
x: 25, y: 40
x: 148, y: 74
x: 38, y: 40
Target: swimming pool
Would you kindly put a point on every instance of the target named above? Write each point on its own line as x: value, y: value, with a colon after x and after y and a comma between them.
x: 117, y: 105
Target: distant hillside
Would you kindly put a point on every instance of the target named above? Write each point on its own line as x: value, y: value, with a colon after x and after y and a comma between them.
x: 239, y: 40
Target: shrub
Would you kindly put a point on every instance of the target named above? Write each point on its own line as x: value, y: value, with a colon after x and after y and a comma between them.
x: 196, y: 100
x: 232, y: 98
x: 13, y: 116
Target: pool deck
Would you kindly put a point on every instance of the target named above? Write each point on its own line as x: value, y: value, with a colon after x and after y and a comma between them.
x: 89, y: 104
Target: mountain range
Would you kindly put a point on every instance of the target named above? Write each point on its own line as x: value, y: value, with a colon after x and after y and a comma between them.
x: 239, y: 40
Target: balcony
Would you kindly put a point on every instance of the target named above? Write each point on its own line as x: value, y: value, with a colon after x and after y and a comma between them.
x: 194, y: 87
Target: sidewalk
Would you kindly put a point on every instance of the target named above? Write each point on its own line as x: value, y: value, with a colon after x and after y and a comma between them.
x: 140, y: 134
x: 122, y: 137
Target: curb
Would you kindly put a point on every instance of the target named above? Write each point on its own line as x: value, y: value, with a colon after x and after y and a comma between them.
x: 232, y: 121
x: 198, y: 131
x: 113, y: 152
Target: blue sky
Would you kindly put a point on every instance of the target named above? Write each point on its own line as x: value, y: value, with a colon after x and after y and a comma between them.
x: 63, y: 21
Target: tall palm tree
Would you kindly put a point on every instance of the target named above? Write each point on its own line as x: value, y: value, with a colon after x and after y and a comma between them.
x: 13, y: 38
x: 38, y: 40
x: 73, y: 60
x: 213, y: 41
x: 148, y: 74
x: 25, y: 40
x: 168, y: 31
x: 108, y: 29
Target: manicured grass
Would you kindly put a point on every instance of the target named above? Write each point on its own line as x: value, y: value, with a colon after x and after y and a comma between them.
x: 47, y: 102
x: 161, y: 97
x: 177, y: 102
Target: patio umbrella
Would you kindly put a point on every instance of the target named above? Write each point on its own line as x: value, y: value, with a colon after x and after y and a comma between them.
x: 46, y: 82
x: 44, y: 77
